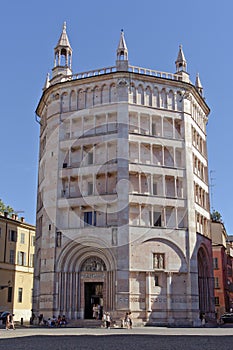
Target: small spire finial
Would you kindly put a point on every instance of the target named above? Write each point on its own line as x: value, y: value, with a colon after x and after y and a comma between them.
x: 181, y: 61
x: 63, y: 50
x: 122, y: 53
x: 198, y: 84
x: 63, y: 40
x: 47, y: 82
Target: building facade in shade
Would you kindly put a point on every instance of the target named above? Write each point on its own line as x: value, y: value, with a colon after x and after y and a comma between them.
x: 223, y: 269
x: 17, y: 239
x: 230, y: 270
x: 123, y: 208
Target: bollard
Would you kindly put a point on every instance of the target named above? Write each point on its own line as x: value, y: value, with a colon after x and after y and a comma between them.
x: 21, y: 322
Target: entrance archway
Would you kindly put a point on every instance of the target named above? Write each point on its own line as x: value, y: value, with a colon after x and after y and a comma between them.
x: 204, y: 282
x: 93, y: 294
x: 77, y: 265
x: 93, y: 281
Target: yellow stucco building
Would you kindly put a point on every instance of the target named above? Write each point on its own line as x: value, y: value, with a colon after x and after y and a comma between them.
x: 16, y: 265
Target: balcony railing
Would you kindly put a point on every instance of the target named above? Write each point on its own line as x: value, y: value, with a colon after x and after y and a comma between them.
x: 131, y: 69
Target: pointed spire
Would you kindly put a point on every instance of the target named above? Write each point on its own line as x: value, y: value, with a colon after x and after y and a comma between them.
x: 181, y: 63
x: 63, y: 54
x: 63, y: 41
x: 198, y: 84
x: 122, y: 51
x: 47, y: 82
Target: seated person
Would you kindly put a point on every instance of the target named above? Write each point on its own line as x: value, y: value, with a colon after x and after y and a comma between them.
x: 63, y: 320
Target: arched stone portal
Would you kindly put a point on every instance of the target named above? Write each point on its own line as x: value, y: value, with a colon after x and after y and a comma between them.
x: 86, y: 277
x: 93, y: 287
x: 205, y: 282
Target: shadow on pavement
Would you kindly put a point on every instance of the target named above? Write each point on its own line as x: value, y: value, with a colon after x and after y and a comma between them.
x: 118, y: 342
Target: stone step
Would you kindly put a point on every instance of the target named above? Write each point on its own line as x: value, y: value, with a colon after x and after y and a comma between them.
x: 85, y: 323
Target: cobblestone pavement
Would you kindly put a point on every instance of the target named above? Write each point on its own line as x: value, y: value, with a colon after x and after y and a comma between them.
x: 118, y: 339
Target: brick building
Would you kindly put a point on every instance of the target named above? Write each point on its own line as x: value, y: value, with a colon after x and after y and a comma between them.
x: 222, y: 265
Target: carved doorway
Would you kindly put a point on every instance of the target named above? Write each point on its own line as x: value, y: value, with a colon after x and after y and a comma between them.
x: 93, y: 292
x: 93, y: 268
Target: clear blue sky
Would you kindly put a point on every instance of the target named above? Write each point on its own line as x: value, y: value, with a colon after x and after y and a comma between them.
x: 153, y: 30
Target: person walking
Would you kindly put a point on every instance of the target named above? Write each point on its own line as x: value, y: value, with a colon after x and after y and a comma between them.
x: 126, y: 321
x: 130, y: 322
x: 104, y: 318
x: 7, y: 322
x: 10, y: 321
x: 108, y: 320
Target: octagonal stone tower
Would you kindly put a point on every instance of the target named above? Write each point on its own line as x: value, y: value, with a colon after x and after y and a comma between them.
x: 123, y: 202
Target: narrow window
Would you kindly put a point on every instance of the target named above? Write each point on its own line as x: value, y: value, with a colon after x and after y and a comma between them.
x: 12, y: 236
x: 58, y: 239
x: 157, y: 219
x: 20, y: 295
x: 90, y: 188
x: 9, y: 295
x: 12, y: 257
x: 90, y: 218
x: 155, y: 188
x: 156, y: 279
x: 153, y: 129
x: 90, y: 158
x: 215, y: 263
x: 22, y: 238
x: 22, y: 258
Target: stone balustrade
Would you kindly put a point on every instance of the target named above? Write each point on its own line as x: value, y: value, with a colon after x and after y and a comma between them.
x: 132, y: 69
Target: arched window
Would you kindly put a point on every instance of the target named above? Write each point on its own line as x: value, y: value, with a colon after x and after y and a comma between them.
x: 179, y: 100
x: 132, y: 94
x: 148, y: 97
x: 156, y: 97
x: 140, y: 95
x: 96, y: 96
x: 171, y: 101
x: 89, y: 98
x: 73, y: 104
x: 81, y: 99
x: 104, y: 94
x: 163, y: 98
x: 64, y: 102
x: 113, y: 93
